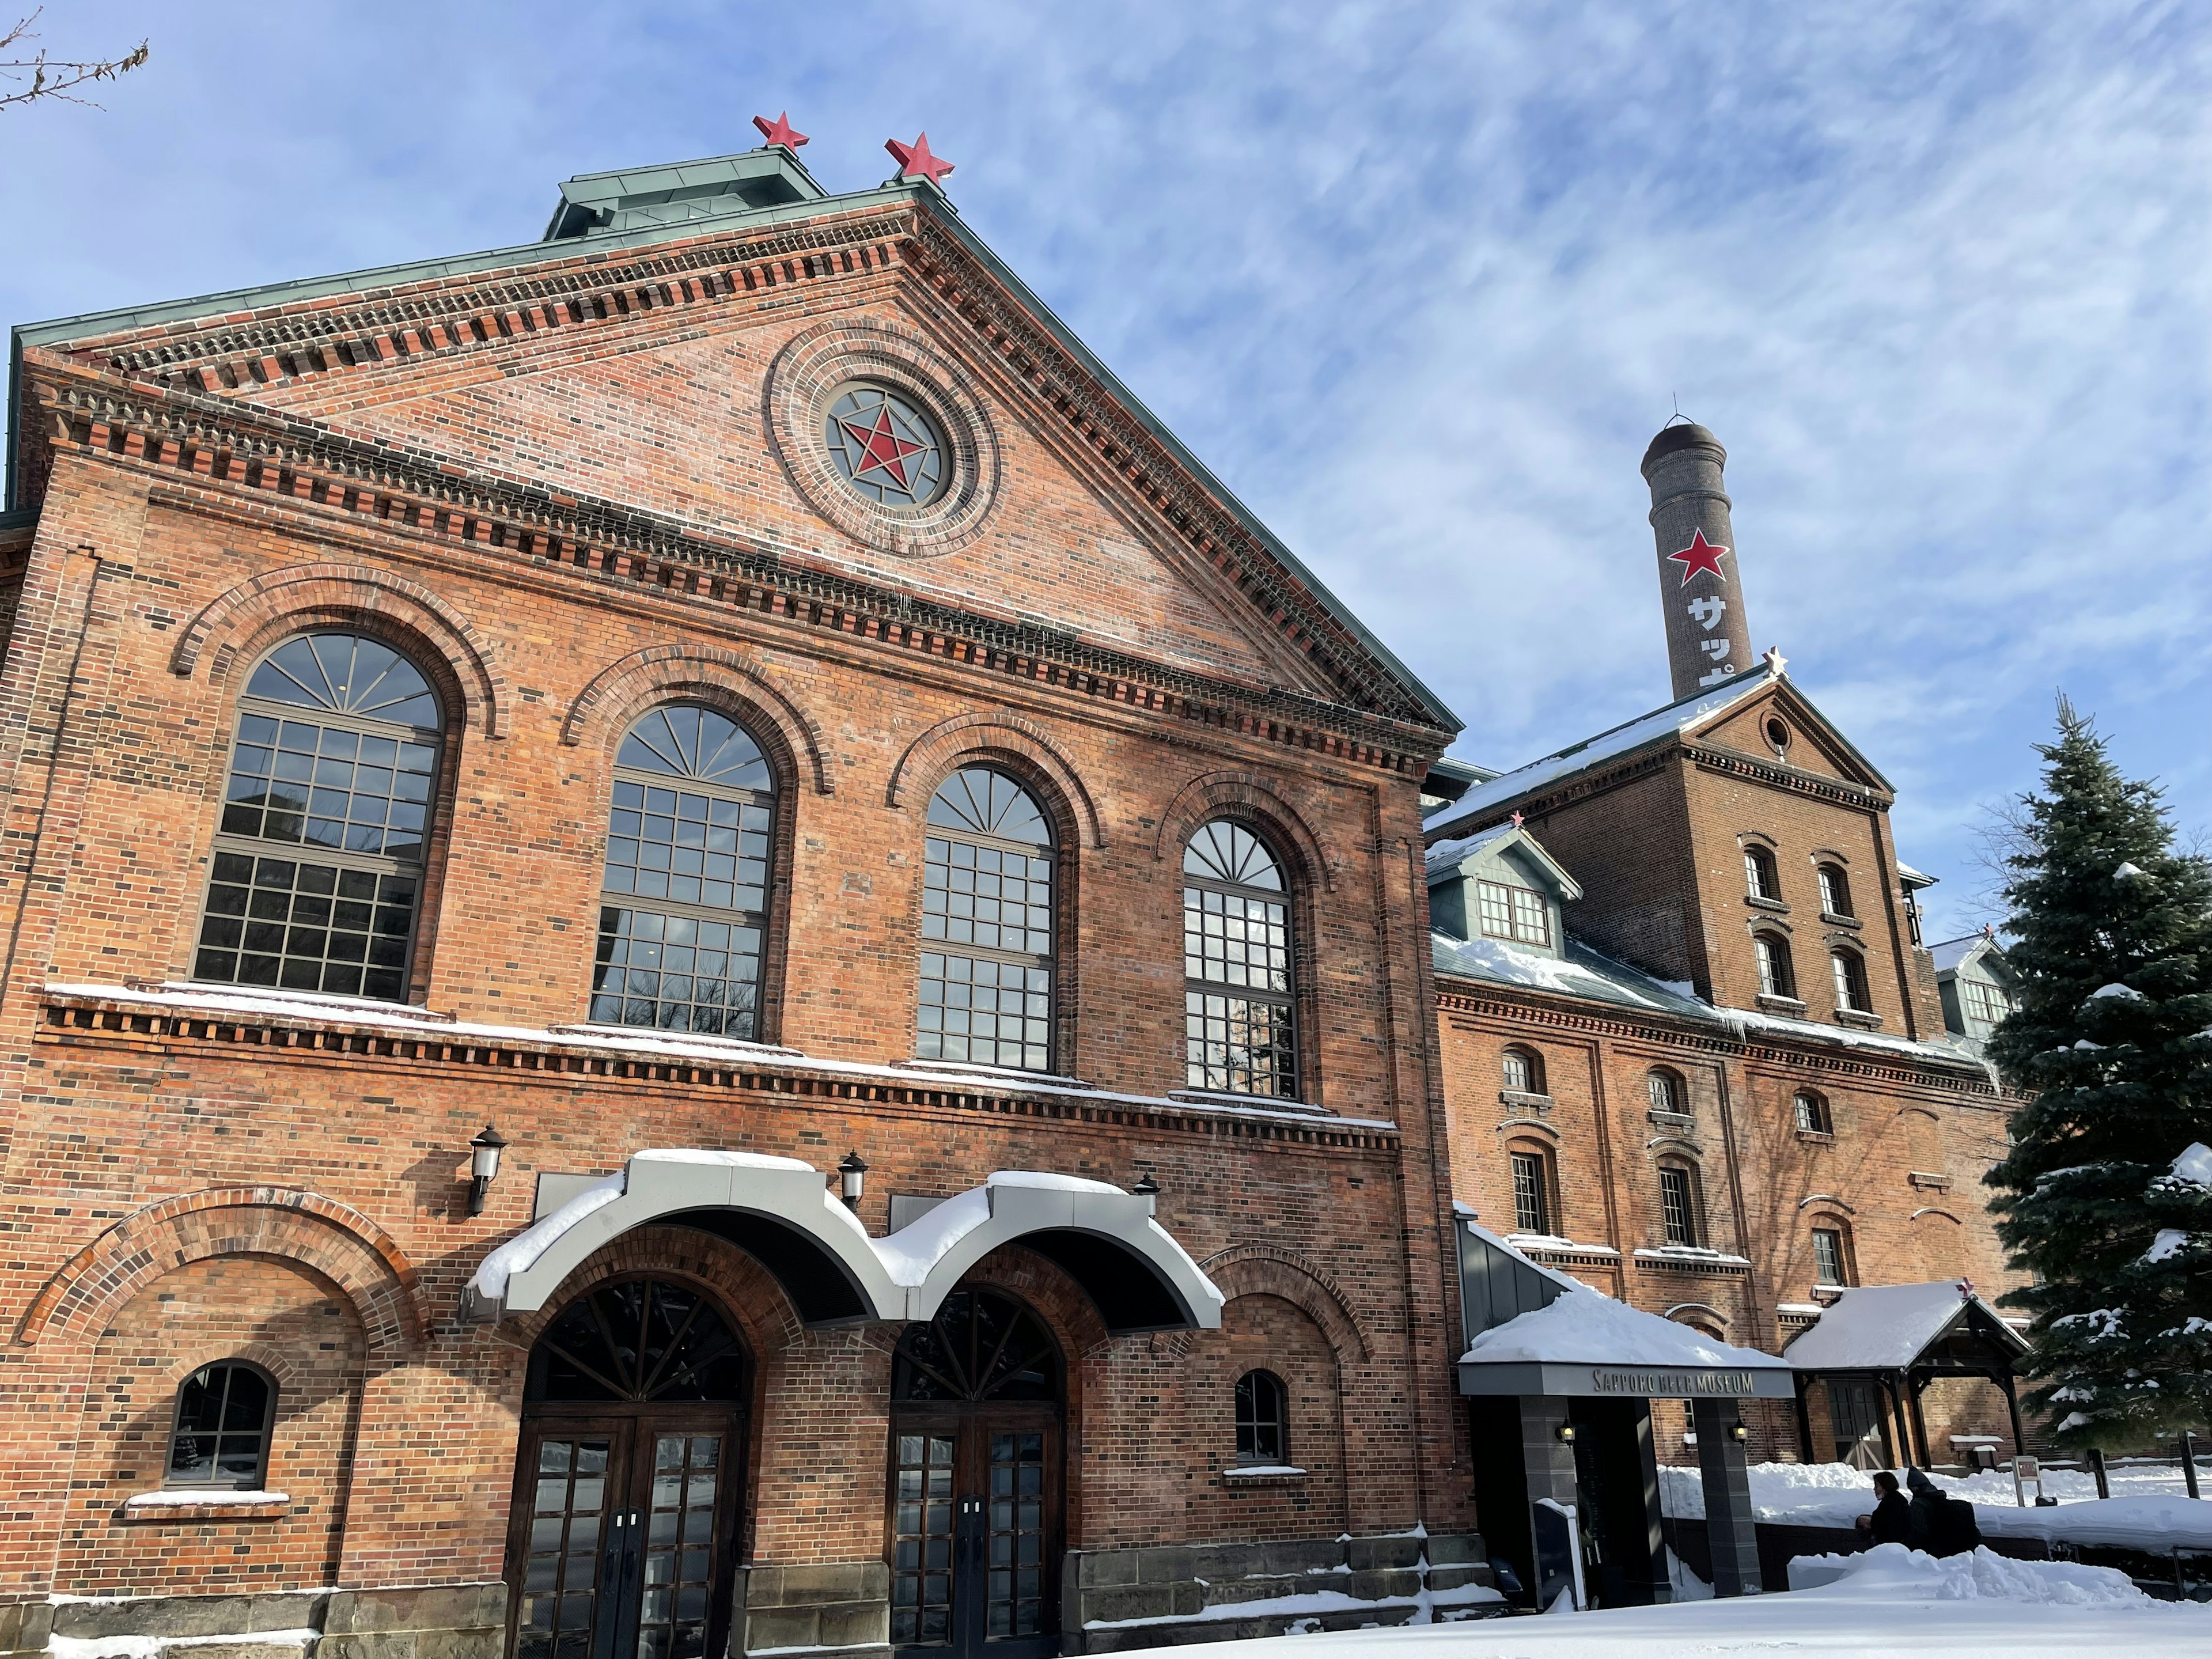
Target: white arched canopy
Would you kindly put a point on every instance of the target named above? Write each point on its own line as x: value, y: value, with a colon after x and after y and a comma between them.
x: 780, y: 1211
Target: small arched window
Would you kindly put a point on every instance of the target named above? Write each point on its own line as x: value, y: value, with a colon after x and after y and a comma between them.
x: 1812, y: 1113
x: 316, y: 879
x: 220, y: 1435
x: 1760, y: 879
x: 1263, y: 1435
x: 1532, y: 1191
x: 1777, y: 976
x: 1239, y: 1013
x: 987, y: 925
x: 1850, y: 981
x: 684, y: 906
x: 1835, y: 890
x: 1523, y: 1070
x: 1665, y: 1090
x: 1678, y: 1218
x: 1832, y: 1262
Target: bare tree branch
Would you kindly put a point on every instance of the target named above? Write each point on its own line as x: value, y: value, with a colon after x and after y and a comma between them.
x: 54, y: 77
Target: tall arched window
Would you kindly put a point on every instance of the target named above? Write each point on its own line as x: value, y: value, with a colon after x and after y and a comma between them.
x: 317, y: 883
x: 1263, y: 1435
x: 1760, y: 879
x: 219, y: 1437
x: 1777, y: 977
x: 683, y: 904
x: 1832, y: 1254
x: 1532, y: 1190
x: 1850, y: 981
x: 1238, y: 1013
x: 1835, y: 890
x: 1680, y: 1218
x: 987, y: 893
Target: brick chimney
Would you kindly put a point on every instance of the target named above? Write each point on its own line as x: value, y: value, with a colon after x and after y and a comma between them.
x: 1708, y: 636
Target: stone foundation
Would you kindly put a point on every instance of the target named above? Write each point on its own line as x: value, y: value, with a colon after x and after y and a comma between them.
x: 444, y: 1621
x: 833, y: 1609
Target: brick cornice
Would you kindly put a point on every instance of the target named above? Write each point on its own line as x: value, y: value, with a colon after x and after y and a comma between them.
x: 1837, y: 792
x: 1657, y: 757
x: 249, y: 454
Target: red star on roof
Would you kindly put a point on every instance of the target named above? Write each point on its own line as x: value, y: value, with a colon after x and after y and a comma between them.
x: 1516, y: 820
x: 916, y: 162
x: 886, y: 451
x: 1699, y: 555
x: 780, y: 130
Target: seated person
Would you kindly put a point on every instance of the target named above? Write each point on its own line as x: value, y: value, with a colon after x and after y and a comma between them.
x: 1890, y: 1524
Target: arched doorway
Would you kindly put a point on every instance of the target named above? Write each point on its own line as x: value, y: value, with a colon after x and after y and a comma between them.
x: 627, y: 1484
x: 976, y: 1500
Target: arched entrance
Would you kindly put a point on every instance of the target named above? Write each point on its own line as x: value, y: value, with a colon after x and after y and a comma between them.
x: 628, y: 1482
x: 977, y: 1400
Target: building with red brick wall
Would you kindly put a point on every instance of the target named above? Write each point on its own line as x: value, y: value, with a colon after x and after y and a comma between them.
x: 1693, y: 1050
x: 727, y: 694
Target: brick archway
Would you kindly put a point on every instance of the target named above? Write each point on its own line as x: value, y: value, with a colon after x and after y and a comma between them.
x: 1265, y: 1270
x: 625, y: 689
x: 932, y: 755
x: 1248, y: 797
x: 232, y: 627
x: 287, y: 1225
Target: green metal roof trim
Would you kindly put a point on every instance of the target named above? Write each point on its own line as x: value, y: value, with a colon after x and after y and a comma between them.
x: 604, y: 245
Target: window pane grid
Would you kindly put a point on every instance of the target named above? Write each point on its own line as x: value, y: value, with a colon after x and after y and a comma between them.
x: 560, y: 1568
x: 679, y: 1547
x: 307, y: 927
x: 1229, y: 938
x: 1812, y: 1114
x: 708, y: 850
x: 329, y: 789
x: 995, y: 897
x: 1261, y: 1432
x: 1517, y: 1074
x: 1850, y: 981
x: 1675, y: 1203
x: 1827, y: 1256
x: 1518, y: 914
x: 676, y: 973
x: 222, y: 1428
x: 1665, y: 1097
x: 985, y: 1012
x: 1239, y: 1018
x: 1239, y: 1045
x: 1531, y: 1210
x: 921, y: 1528
x: 1014, y: 1600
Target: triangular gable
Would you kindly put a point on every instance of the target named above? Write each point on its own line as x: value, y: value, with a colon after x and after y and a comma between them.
x: 1813, y: 743
x: 659, y: 266
x: 1510, y: 843
x: 1894, y: 1326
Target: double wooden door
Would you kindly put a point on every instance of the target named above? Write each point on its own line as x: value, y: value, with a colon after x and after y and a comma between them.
x: 975, y: 1528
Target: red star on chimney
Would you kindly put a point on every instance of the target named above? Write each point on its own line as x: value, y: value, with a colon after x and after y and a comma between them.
x: 780, y: 130
x: 1699, y: 555
x: 916, y: 162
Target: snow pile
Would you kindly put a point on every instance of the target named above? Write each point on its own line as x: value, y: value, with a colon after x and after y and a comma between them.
x: 2195, y: 1166
x: 2116, y: 989
x: 1588, y: 1328
x: 1896, y: 1573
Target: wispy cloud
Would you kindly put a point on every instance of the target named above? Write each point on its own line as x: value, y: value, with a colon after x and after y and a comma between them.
x: 1419, y: 281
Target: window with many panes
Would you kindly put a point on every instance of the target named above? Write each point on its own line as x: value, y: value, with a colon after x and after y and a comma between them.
x: 1678, y: 1211
x: 1985, y: 1002
x: 1263, y: 1435
x: 1850, y: 981
x: 1239, y: 1008
x: 1532, y: 1203
x: 987, y: 925
x: 1665, y: 1090
x: 684, y: 900
x: 1835, y: 890
x: 1776, y: 975
x: 1828, y: 1257
x: 1812, y: 1112
x: 1518, y: 914
x: 1523, y: 1072
x: 317, y: 878
x: 1760, y: 879
x: 221, y: 1434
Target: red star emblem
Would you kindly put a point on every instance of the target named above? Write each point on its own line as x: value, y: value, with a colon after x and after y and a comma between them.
x: 885, y: 450
x: 780, y: 130
x: 916, y: 162
x: 1699, y: 555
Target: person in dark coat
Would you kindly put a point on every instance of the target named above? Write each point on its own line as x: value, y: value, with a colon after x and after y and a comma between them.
x: 1938, y: 1524
x: 1889, y: 1523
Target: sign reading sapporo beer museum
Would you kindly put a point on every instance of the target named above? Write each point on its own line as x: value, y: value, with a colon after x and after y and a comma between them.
x: 1669, y: 1384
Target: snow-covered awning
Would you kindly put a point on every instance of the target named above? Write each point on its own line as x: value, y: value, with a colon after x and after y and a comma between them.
x: 1892, y: 1328
x: 780, y: 1211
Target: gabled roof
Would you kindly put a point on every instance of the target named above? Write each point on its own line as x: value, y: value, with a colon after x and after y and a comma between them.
x: 602, y: 213
x: 1954, y: 954
x: 1447, y: 856
x: 1676, y: 721
x: 1887, y: 1327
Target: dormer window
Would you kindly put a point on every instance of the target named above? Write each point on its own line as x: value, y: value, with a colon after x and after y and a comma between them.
x: 1985, y: 1002
x: 1760, y: 880
x: 1514, y: 913
x: 1835, y: 890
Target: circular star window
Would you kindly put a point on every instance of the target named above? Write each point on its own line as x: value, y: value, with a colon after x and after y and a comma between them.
x: 885, y: 447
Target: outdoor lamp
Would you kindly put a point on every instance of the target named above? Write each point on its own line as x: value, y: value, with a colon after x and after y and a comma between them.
x: 852, y: 1176
x: 1145, y: 1187
x: 1738, y: 1431
x: 483, y: 1164
x: 1566, y: 1433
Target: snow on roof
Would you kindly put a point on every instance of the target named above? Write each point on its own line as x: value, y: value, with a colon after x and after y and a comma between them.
x: 1912, y: 877
x: 1588, y: 1327
x: 1648, y: 728
x: 1882, y: 1326
x: 1448, y: 854
x: 1581, y: 973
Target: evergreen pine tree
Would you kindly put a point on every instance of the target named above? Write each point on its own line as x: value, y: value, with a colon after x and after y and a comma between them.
x: 2102, y: 1198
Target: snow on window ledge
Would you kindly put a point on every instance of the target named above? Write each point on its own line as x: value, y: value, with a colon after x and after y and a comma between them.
x: 1257, y: 1471
x: 196, y: 1503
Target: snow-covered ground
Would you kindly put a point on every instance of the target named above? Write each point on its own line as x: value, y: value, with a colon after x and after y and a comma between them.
x: 2149, y: 1508
x: 1887, y: 1601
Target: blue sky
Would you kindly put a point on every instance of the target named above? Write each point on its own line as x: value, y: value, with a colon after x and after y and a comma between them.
x: 1420, y: 282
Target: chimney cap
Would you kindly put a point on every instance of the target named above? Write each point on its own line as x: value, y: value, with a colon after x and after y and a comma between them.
x: 1687, y: 435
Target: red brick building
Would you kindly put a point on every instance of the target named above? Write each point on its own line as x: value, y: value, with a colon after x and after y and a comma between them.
x: 727, y: 694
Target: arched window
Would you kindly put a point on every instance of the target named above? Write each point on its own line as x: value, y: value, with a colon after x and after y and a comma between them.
x: 683, y: 902
x: 1777, y: 976
x: 1812, y: 1113
x: 987, y: 889
x: 1850, y: 981
x: 1523, y: 1070
x: 220, y: 1435
x: 1835, y: 890
x: 1760, y: 879
x: 1239, y: 1024
x: 1678, y: 1218
x: 1665, y: 1090
x: 1263, y: 1435
x: 1832, y: 1262
x: 317, y: 883
x: 1532, y: 1190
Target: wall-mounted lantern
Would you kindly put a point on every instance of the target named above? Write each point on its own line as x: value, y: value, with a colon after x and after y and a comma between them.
x: 1738, y: 1431
x: 1566, y: 1433
x: 483, y: 1164
x: 851, y: 1176
x: 1146, y: 1187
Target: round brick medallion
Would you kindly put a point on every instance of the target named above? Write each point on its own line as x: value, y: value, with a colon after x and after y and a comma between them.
x: 877, y: 430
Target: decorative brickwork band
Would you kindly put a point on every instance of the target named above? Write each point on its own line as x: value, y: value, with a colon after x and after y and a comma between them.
x: 1267, y: 1270
x: 335, y: 1240
x: 932, y: 755
x: 1245, y: 795
x: 240, y: 621
x: 624, y: 689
